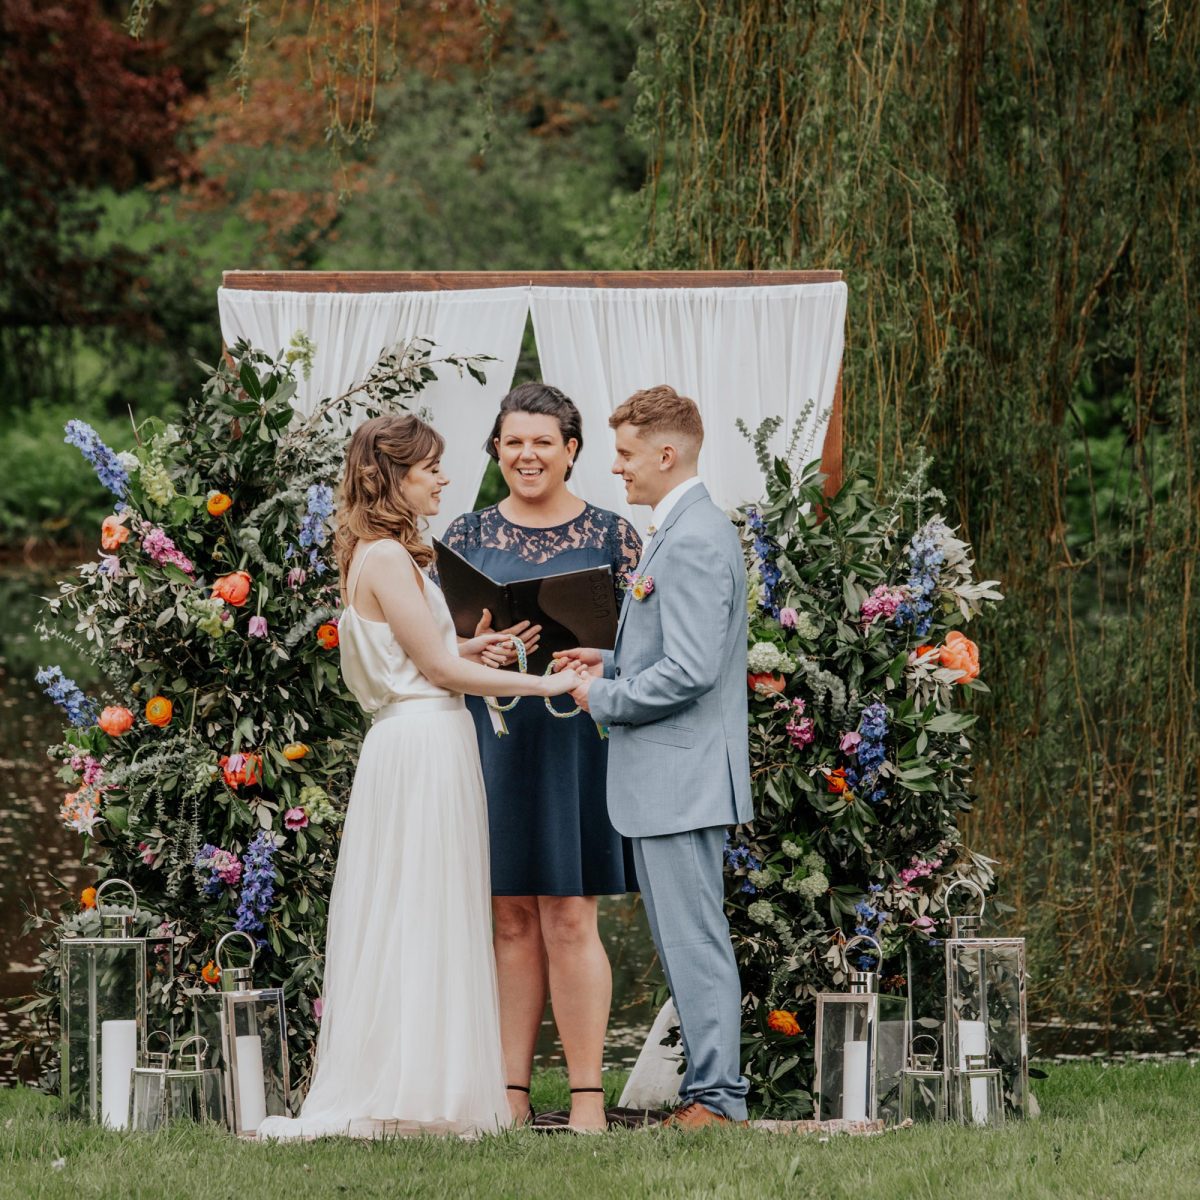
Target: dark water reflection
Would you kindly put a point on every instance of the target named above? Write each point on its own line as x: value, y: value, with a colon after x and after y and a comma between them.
x: 39, y: 856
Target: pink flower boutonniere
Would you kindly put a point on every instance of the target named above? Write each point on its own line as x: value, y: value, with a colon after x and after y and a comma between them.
x: 640, y: 586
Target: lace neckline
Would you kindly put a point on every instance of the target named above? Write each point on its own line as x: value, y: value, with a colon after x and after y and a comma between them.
x: 542, y: 528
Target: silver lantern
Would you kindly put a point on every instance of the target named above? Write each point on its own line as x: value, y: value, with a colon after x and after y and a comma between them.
x: 103, y: 981
x: 987, y: 1035
x: 923, y: 1082
x: 860, y: 1040
x: 189, y: 1091
x: 253, y: 1045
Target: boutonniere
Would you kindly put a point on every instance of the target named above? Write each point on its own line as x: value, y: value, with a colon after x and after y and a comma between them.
x: 640, y: 586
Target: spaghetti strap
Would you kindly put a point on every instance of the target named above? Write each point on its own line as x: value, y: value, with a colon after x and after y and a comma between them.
x: 356, y: 570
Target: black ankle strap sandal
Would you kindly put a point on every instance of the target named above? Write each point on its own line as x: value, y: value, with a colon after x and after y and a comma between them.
x: 518, y: 1087
x: 599, y: 1089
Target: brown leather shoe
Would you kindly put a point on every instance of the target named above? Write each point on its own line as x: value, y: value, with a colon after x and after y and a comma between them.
x: 697, y: 1116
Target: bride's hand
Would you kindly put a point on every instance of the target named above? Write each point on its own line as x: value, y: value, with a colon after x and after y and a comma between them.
x: 488, y: 649
x: 561, y: 682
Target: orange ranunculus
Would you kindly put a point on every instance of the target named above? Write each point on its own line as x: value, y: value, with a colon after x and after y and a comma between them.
x: 240, y: 769
x: 233, y: 588
x: 218, y: 503
x: 116, y: 720
x: 158, y: 711
x: 961, y: 654
x: 294, y: 750
x: 88, y: 897
x: 113, y: 532
x: 835, y: 780
x: 766, y: 684
x: 211, y: 973
x: 782, y: 1021
x: 923, y: 650
x: 327, y: 635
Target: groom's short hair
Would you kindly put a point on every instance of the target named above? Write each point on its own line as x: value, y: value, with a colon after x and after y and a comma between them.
x: 660, y: 410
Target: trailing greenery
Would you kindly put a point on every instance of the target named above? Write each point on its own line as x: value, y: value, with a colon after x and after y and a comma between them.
x: 1013, y: 196
x: 1116, y: 1132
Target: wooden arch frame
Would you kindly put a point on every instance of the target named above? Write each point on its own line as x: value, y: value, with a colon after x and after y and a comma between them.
x: 445, y: 281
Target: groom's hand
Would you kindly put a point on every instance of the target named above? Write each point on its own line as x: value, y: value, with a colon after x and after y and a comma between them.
x: 581, y: 656
x: 580, y: 693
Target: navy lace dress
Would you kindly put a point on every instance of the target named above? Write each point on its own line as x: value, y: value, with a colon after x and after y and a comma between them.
x: 547, y: 810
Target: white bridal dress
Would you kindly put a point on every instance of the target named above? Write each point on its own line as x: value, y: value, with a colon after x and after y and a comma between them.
x: 410, y: 1032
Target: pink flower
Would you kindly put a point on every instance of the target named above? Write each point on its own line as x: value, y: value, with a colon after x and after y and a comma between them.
x: 228, y: 867
x: 295, y: 818
x: 882, y: 602
x: 258, y: 627
x: 802, y: 732
x: 318, y: 1008
x: 787, y: 618
x: 296, y: 577
x: 849, y: 742
x: 148, y: 855
x: 924, y: 924
x: 162, y: 550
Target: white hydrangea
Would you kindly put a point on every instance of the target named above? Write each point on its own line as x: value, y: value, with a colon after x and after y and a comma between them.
x: 814, y: 885
x: 761, y: 879
x: 764, y: 658
x: 761, y: 912
x: 814, y: 864
x: 806, y: 625
x: 790, y: 848
x: 130, y: 462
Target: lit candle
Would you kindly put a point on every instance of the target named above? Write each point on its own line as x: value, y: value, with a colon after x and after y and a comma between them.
x: 854, y: 1081
x: 251, y: 1086
x: 118, y: 1057
x: 972, y: 1041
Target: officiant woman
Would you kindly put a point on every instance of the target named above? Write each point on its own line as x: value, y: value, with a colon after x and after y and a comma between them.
x: 554, y: 850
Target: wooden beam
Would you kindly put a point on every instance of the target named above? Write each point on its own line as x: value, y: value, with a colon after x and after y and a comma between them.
x: 362, y: 282
x: 450, y: 281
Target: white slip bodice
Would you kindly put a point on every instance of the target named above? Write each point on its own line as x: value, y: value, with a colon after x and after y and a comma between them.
x: 374, y: 666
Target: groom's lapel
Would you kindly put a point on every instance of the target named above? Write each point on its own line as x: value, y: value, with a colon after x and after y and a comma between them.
x: 692, y: 496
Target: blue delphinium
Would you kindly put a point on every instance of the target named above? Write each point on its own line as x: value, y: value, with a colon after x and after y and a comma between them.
x: 314, y: 530
x: 258, y: 884
x: 67, y: 695
x: 105, y: 462
x: 870, y: 919
x: 863, y: 777
x: 764, y: 550
x: 740, y: 856
x: 925, y: 558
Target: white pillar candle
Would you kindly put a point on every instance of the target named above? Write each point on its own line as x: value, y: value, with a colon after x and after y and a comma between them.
x: 251, y: 1086
x: 118, y: 1057
x: 972, y: 1041
x: 854, y: 1081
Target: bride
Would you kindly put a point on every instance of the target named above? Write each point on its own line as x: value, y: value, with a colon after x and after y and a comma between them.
x: 410, y: 1033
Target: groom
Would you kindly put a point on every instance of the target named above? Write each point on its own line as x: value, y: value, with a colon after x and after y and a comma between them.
x: 673, y: 695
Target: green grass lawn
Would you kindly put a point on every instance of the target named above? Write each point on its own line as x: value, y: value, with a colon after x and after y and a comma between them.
x: 1104, y: 1132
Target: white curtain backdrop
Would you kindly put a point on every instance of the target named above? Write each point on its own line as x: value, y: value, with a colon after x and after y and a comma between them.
x: 748, y: 352
x: 352, y: 330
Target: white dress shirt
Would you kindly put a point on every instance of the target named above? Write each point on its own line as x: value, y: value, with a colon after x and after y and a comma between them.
x: 662, y: 510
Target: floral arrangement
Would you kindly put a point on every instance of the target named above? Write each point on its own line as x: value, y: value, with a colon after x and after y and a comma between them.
x: 860, y: 680
x: 214, y: 771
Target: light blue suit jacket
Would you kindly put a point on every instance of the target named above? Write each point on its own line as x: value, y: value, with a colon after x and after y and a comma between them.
x: 674, y: 689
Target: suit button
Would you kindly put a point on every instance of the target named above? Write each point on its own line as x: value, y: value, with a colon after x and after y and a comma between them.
x: 618, y: 671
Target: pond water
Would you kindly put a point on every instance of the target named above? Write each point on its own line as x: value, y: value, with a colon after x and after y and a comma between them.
x: 39, y: 856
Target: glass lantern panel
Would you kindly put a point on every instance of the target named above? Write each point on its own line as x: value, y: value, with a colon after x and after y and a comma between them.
x: 923, y: 1096
x: 986, y: 998
x: 103, y: 1025
x: 195, y: 1096
x: 149, y: 1101
x: 845, y: 1051
x: 256, y: 1047
x: 976, y: 1098
x: 891, y: 1041
x: 204, y: 1018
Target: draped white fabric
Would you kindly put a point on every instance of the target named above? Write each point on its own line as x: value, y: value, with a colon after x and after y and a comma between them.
x: 748, y: 352
x: 352, y: 330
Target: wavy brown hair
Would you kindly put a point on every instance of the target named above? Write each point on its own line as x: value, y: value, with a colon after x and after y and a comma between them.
x: 370, y: 503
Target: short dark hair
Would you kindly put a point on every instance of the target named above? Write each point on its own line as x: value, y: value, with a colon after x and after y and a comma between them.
x: 541, y: 400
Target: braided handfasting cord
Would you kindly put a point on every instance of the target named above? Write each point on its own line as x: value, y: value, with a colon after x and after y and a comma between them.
x: 523, y: 667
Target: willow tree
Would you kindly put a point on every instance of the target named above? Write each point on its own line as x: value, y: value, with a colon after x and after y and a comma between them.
x: 1013, y: 193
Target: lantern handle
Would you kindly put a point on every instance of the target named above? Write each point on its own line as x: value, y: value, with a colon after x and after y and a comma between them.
x: 117, y: 883
x: 200, y: 1053
x: 235, y: 933
x: 967, y: 883
x: 162, y: 1033
x: 864, y: 937
x: 924, y: 1037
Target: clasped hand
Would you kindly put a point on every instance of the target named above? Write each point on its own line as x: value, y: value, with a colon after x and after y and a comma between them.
x: 491, y: 648
x: 581, y: 661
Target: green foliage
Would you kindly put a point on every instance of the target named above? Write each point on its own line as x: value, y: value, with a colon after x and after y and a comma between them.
x: 222, y: 600
x: 859, y: 751
x: 44, y: 496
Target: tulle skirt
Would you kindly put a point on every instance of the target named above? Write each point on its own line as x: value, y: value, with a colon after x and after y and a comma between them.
x: 410, y: 1032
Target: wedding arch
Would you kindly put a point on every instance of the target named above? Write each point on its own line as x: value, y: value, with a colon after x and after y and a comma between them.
x: 746, y: 345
